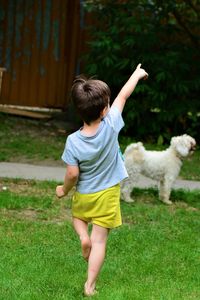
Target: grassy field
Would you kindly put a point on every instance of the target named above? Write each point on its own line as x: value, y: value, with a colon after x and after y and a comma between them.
x: 153, y: 255
x: 42, y: 142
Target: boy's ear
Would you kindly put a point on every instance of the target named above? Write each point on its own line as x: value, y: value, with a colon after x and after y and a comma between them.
x: 104, y: 111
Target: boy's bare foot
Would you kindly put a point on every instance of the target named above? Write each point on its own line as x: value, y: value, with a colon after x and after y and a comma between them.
x: 89, y: 291
x: 86, y: 247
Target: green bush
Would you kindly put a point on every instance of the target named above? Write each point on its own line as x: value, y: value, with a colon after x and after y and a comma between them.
x: 164, y: 38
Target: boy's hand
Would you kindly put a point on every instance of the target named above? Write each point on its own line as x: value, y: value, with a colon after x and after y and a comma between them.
x: 141, y: 73
x: 59, y: 191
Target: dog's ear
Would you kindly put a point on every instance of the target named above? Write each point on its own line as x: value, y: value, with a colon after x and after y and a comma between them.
x: 182, y: 150
x: 180, y: 145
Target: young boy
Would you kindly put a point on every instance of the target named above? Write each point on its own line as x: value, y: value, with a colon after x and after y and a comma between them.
x: 95, y: 166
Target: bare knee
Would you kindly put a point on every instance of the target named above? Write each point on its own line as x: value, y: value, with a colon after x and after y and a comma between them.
x: 99, y: 235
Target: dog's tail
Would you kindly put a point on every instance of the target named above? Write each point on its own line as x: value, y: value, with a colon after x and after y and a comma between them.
x: 134, y: 152
x: 133, y: 147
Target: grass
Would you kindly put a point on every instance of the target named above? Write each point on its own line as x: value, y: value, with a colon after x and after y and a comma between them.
x: 23, y: 139
x: 153, y: 255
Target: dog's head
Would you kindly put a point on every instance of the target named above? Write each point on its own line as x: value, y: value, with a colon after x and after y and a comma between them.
x: 184, y: 145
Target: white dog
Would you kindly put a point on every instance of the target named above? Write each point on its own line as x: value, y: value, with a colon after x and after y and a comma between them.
x: 163, y: 166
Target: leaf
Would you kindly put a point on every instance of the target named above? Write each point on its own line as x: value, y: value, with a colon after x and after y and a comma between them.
x: 160, y: 140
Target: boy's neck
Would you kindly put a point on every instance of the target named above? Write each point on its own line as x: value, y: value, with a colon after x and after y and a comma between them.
x: 91, y: 129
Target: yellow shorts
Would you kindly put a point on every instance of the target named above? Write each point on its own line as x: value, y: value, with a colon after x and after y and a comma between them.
x: 100, y: 208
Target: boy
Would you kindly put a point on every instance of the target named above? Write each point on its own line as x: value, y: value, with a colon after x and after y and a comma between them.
x: 95, y: 166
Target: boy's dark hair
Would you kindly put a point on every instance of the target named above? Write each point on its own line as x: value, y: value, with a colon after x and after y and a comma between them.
x: 90, y: 97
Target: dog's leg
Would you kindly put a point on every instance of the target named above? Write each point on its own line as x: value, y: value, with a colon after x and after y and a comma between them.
x: 126, y: 189
x: 165, y: 191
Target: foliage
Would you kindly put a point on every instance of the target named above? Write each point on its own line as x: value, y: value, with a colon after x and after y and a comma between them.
x: 164, y: 37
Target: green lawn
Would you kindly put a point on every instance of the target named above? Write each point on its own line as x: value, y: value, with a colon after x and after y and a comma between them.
x: 23, y: 139
x: 154, y: 255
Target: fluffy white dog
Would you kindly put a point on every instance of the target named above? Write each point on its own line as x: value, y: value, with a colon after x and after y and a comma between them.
x: 163, y: 166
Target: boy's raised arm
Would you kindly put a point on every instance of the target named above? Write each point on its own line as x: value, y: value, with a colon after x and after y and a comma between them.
x: 129, y: 87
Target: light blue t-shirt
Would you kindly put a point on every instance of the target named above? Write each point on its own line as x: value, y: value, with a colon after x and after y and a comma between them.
x: 98, y: 157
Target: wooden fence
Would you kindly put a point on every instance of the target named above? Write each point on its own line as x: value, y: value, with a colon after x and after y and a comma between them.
x: 39, y: 46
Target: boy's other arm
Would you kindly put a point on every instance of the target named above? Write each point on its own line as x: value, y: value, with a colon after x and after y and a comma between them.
x: 71, y: 177
x: 129, y: 87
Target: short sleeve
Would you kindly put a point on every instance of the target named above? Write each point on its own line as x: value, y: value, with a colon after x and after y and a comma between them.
x: 68, y: 155
x: 115, y: 119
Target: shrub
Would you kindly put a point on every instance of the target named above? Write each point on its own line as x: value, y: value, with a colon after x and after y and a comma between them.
x: 164, y: 38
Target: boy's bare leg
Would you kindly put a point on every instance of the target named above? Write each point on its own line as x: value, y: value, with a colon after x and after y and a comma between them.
x: 96, y: 258
x: 81, y: 228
